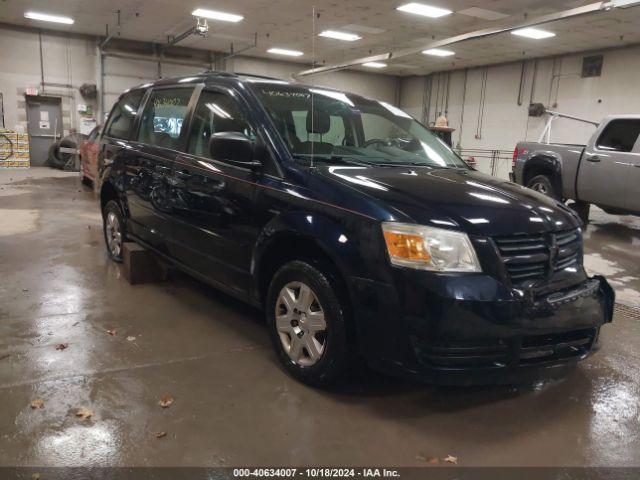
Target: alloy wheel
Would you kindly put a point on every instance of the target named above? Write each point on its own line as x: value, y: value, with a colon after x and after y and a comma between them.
x: 301, y: 324
x: 113, y: 234
x: 539, y: 187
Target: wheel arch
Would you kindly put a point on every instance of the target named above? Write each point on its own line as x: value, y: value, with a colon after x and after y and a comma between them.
x: 108, y: 191
x: 297, y: 238
x: 544, y: 164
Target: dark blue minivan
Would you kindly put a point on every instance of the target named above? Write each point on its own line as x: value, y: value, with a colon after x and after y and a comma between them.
x: 356, y: 230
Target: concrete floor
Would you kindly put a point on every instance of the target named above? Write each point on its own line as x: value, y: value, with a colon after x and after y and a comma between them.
x: 232, y: 404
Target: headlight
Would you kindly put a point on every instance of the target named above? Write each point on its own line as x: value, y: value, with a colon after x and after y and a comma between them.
x: 429, y: 248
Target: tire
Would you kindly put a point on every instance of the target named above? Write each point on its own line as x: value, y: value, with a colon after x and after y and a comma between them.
x: 582, y: 209
x: 542, y: 184
x: 53, y: 159
x: 113, y: 229
x: 313, y: 355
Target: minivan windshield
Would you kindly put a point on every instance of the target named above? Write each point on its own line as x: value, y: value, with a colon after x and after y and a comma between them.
x: 330, y: 125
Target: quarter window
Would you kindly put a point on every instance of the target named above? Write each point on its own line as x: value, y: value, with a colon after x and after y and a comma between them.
x: 163, y: 116
x: 619, y: 135
x: 123, y: 115
x: 216, y: 112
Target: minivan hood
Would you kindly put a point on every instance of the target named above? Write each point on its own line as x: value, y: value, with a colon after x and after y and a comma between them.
x: 455, y: 198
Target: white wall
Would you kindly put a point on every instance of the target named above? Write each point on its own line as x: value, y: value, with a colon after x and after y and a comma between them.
x: 73, y: 60
x: 65, y: 61
x: 505, y: 122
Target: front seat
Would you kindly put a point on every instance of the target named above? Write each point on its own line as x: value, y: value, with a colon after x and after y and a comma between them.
x: 319, y: 123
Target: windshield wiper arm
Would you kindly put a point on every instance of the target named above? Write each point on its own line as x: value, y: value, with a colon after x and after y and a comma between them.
x: 348, y: 159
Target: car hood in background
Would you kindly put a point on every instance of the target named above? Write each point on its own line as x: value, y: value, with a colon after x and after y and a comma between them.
x: 456, y: 198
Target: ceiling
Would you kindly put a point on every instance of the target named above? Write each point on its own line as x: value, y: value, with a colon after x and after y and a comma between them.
x: 288, y: 24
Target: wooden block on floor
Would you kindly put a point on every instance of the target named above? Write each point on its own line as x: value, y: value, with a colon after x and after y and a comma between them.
x: 141, y: 265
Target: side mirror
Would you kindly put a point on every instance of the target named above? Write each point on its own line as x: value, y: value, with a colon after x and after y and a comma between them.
x: 234, y: 148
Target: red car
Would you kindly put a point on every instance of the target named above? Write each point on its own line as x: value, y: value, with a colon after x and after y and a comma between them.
x: 89, y: 156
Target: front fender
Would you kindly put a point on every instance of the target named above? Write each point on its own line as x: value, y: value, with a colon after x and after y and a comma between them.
x: 346, y: 241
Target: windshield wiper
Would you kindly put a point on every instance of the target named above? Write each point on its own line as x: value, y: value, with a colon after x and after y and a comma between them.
x: 347, y: 159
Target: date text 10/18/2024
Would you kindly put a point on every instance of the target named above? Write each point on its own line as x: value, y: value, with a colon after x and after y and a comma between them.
x: 316, y: 472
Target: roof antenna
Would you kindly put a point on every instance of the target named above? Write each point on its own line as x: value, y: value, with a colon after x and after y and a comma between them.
x: 313, y: 62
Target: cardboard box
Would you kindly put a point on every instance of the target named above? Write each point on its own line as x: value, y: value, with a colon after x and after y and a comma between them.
x: 14, y: 149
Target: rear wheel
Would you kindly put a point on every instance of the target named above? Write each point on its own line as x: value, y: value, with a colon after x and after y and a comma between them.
x: 542, y: 184
x: 307, y: 323
x: 113, y: 227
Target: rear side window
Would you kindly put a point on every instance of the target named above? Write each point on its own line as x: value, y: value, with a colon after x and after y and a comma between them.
x: 163, y: 116
x: 123, y: 115
x: 216, y: 112
x: 619, y: 135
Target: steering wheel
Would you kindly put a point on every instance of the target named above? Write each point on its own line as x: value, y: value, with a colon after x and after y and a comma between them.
x: 374, y: 141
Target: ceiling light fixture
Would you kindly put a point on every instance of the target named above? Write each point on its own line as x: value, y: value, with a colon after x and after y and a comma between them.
x: 436, y: 52
x: 347, y: 37
x: 424, y: 10
x: 45, y: 17
x: 534, y: 33
x: 284, y: 51
x: 214, y: 15
x: 374, y: 65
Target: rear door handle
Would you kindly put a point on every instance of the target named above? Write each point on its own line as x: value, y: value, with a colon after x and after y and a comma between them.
x: 183, y: 174
x: 595, y: 158
x: 162, y: 169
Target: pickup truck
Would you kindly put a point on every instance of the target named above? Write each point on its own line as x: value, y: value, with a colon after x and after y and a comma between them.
x: 605, y: 172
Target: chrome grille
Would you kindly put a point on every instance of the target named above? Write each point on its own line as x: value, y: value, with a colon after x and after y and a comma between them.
x: 534, y: 257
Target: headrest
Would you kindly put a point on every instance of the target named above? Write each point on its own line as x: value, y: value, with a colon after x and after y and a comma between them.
x: 321, y: 121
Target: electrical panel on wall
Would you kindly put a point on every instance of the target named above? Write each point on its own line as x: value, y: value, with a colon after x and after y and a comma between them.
x: 592, y: 66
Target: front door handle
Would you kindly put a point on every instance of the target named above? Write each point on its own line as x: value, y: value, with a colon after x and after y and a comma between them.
x: 183, y: 174
x: 595, y: 158
x: 162, y: 169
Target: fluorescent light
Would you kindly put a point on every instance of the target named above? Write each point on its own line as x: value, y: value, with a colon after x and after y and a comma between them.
x: 535, y: 33
x: 284, y: 51
x: 45, y: 17
x: 424, y: 10
x: 438, y: 52
x: 374, y: 65
x: 347, y: 37
x: 213, y: 15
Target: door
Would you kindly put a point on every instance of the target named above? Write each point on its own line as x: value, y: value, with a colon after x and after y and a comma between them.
x: 605, y: 168
x: 44, y: 125
x: 214, y: 213
x: 632, y: 198
x: 149, y: 163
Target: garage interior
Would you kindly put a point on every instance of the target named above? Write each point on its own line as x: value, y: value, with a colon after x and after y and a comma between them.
x: 74, y: 334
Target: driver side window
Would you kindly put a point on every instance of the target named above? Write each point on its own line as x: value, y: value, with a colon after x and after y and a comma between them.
x: 216, y: 112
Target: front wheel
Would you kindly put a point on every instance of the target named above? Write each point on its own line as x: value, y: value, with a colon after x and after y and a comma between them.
x: 113, y: 227
x: 542, y: 184
x: 307, y: 323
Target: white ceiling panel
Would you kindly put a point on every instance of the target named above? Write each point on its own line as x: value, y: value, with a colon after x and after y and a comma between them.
x: 289, y: 24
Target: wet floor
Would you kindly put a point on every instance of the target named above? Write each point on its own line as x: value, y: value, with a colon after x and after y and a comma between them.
x: 129, y: 346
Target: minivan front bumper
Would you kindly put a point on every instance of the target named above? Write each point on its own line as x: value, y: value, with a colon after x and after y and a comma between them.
x: 471, y: 329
